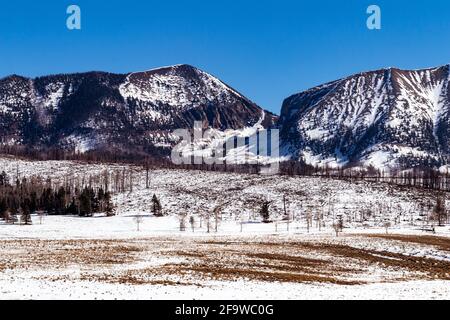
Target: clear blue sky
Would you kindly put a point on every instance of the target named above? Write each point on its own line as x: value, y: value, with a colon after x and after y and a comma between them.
x: 267, y: 50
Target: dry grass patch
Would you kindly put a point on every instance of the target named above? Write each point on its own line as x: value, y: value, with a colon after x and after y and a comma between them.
x: 341, y: 257
x: 149, y: 276
x: 423, y: 268
x: 442, y: 243
x: 208, y: 272
x: 233, y: 261
x: 25, y: 254
x: 144, y: 261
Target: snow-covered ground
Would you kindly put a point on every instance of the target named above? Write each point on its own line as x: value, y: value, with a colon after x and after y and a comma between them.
x: 30, y: 289
x: 146, y: 265
x: 363, y: 205
x: 107, y: 257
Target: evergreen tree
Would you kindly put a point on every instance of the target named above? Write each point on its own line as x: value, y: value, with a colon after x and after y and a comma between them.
x: 264, y: 212
x: 33, y: 201
x: 60, y: 201
x: 3, y: 208
x: 27, y: 196
x: 156, y: 207
x: 85, y: 203
x: 26, y: 213
x: 72, y: 209
x: 4, y: 180
x: 109, y: 207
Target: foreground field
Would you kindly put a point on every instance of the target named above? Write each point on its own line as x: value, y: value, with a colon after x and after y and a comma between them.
x: 198, y: 267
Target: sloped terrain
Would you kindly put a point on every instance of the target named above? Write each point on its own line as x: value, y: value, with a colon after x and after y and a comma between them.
x: 130, y: 112
x: 235, y: 255
x: 240, y: 196
x: 383, y: 118
x: 387, y: 118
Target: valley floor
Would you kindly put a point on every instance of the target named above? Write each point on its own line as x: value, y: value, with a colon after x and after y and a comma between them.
x: 273, y: 266
x: 67, y: 257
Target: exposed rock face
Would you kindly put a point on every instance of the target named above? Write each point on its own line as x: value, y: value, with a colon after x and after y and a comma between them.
x: 384, y: 118
x: 136, y: 111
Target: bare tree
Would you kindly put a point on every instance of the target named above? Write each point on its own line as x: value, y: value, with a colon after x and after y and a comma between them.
x: 192, y: 223
x: 318, y: 219
x: 284, y: 206
x: 218, y: 214
x: 216, y: 218
x: 201, y: 220
x: 123, y: 181
x: 41, y: 215
x: 147, y: 169
x: 131, y: 181
x: 138, y: 219
x: 439, y: 212
x: 208, y: 222
x: 387, y: 225
x: 309, y: 218
x: 106, y: 180
x: 336, y: 228
x: 182, y: 220
x: 338, y: 225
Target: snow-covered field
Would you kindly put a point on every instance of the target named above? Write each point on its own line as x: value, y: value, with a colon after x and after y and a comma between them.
x: 106, y: 257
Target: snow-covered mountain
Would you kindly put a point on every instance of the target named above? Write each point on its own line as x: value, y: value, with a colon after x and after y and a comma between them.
x: 384, y: 118
x: 136, y: 111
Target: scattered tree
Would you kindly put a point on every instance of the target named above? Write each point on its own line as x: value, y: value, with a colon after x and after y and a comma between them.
x: 192, y: 223
x: 156, y: 207
x: 387, y: 225
x: 138, y: 219
x: 338, y: 225
x: 182, y: 219
x: 264, y: 212
x: 439, y: 213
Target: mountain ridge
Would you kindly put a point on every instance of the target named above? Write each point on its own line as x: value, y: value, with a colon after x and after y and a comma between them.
x: 98, y: 109
x: 385, y: 118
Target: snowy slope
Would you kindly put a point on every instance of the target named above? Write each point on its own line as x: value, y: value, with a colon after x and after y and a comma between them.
x: 363, y: 205
x: 384, y: 118
x: 136, y: 111
x: 176, y: 86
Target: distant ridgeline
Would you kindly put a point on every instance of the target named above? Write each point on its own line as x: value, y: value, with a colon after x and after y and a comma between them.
x: 385, y: 120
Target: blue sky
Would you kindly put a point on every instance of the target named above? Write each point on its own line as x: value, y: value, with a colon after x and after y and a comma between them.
x: 267, y: 50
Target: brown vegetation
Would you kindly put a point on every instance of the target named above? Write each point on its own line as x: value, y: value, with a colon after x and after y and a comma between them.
x: 192, y: 261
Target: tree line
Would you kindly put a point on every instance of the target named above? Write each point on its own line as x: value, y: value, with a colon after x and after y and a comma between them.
x: 420, y: 176
x: 23, y: 197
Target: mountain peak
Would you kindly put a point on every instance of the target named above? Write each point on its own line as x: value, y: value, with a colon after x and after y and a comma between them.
x: 14, y: 77
x: 134, y: 111
x: 176, y: 85
x: 171, y: 68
